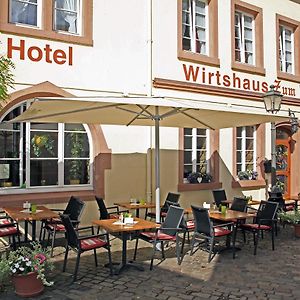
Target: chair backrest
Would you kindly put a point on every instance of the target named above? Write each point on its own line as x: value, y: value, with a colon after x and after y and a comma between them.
x: 219, y: 196
x: 71, y: 234
x: 278, y: 198
x: 202, y: 221
x: 173, y: 220
x: 267, y: 210
x: 74, y: 208
x: 172, y: 198
x: 102, y: 208
x: 239, y: 204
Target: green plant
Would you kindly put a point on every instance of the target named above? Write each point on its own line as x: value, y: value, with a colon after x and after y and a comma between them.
x: 6, y: 76
x: 247, y: 175
x: 25, y: 260
x: 290, y: 217
x: 40, y: 142
x: 76, y: 152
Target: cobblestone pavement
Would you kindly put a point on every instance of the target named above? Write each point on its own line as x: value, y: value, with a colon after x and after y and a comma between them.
x: 268, y: 275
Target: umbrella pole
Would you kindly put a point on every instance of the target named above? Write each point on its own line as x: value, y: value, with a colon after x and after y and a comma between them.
x: 157, y: 167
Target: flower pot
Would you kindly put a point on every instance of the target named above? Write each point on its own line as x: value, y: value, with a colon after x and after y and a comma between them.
x: 27, y: 285
x: 74, y: 181
x: 297, y: 230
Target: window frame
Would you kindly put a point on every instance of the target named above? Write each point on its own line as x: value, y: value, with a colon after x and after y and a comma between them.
x: 258, y: 60
x: 27, y: 130
x: 295, y: 26
x: 46, y: 29
x: 212, y: 41
x: 259, y: 159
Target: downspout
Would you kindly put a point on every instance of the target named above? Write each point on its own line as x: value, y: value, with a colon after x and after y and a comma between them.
x: 149, y: 94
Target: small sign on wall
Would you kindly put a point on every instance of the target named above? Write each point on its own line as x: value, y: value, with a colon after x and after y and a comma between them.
x: 4, y: 171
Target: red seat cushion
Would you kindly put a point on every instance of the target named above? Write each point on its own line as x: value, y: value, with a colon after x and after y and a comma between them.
x: 56, y: 227
x: 4, y: 222
x: 114, y: 216
x: 160, y: 236
x: 219, y: 231
x: 92, y: 243
x: 289, y: 207
x: 256, y: 226
x: 5, y: 231
x: 190, y: 225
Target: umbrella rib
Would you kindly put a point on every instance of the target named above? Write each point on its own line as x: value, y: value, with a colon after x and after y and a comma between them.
x: 134, y: 112
x: 193, y: 118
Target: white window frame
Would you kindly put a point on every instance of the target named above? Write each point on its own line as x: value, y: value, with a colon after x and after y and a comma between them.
x: 79, y: 19
x: 242, y: 39
x: 60, y: 185
x: 282, y: 49
x: 194, y: 150
x: 38, y: 14
x: 243, y: 150
x: 193, y: 26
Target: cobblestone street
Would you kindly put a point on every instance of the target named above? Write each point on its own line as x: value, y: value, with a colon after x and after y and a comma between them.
x: 268, y: 275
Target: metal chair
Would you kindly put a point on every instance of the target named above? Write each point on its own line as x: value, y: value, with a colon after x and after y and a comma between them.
x: 264, y: 220
x: 167, y: 232
x: 219, y: 196
x: 204, y: 229
x: 82, y: 244
x: 74, y: 210
x: 172, y: 199
x: 9, y: 229
x: 111, y: 212
x: 239, y: 204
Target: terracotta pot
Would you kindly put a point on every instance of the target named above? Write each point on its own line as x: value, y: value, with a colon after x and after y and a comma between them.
x: 297, y: 230
x: 28, y: 285
x: 74, y: 181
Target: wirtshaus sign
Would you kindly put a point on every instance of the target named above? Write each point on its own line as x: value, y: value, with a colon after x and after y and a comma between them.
x: 216, y: 78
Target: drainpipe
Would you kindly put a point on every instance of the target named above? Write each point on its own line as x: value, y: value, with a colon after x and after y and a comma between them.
x: 149, y: 94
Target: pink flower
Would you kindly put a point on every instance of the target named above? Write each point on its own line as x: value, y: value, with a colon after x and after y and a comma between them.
x: 41, y: 257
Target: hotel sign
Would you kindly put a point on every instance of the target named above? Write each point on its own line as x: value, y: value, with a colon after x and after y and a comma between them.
x: 37, y: 54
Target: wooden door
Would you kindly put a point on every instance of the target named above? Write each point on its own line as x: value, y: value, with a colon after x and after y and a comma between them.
x: 283, y: 161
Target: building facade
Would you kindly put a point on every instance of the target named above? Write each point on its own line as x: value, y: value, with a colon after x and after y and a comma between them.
x: 227, y: 51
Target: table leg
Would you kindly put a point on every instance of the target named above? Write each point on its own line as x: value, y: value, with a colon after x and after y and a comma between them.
x: 33, y: 227
x: 26, y: 231
x: 137, y: 212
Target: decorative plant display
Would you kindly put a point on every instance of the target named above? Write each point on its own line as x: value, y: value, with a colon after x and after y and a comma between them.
x: 6, y: 76
x: 42, y: 142
x: 292, y: 218
x: 281, y: 157
x: 76, y: 152
x: 197, y: 177
x: 31, y: 263
x: 247, y: 175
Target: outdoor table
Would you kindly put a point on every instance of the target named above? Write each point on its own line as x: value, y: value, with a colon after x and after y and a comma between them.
x: 20, y: 214
x: 115, y: 226
x: 136, y: 206
x: 250, y: 202
x: 292, y: 200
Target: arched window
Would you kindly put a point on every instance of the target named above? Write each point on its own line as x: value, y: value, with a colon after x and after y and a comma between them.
x: 43, y: 154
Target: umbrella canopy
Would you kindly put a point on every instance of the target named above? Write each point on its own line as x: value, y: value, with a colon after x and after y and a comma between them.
x: 146, y: 111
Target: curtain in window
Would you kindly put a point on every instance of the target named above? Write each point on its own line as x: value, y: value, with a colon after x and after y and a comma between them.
x: 70, y: 14
x: 17, y: 9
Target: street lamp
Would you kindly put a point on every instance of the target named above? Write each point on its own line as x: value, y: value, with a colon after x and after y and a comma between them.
x: 272, y: 100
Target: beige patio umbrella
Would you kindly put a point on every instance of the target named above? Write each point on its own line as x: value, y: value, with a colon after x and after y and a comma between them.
x: 146, y: 111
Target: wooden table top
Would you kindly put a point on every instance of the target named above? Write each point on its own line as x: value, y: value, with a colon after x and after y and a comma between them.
x: 17, y: 214
x: 251, y: 202
x: 229, y: 215
x: 129, y: 205
x: 111, y: 227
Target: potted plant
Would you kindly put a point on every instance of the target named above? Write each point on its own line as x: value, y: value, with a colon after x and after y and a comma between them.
x: 291, y: 218
x: 197, y: 177
x: 42, y: 142
x: 247, y: 175
x: 26, y: 267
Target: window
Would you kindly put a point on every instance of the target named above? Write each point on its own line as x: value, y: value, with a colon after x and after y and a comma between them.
x: 196, y: 151
x: 243, y: 29
x: 67, y: 16
x: 194, y: 26
x: 288, y: 43
x: 69, y: 21
x: 40, y: 154
x: 247, y: 38
x: 246, y: 149
x: 198, y: 31
x: 24, y: 12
